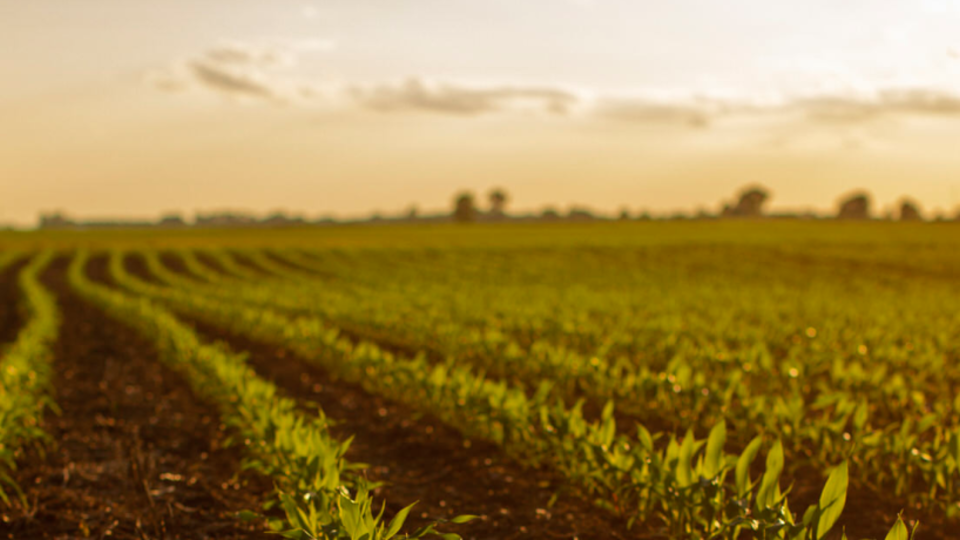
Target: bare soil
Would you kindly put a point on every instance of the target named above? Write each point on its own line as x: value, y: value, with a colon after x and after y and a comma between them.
x: 11, y: 312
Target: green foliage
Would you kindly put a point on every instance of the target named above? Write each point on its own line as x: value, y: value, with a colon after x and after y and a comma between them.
x: 313, y: 479
x: 25, y: 372
x: 683, y: 485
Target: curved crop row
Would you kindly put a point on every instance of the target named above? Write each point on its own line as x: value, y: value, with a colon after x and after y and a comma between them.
x: 314, y: 481
x: 25, y: 372
x: 820, y: 422
x: 686, y: 484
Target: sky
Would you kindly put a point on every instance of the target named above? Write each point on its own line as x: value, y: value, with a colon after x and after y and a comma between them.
x: 114, y: 108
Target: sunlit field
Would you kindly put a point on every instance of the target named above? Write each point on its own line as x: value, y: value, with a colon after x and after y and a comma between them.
x: 689, y: 379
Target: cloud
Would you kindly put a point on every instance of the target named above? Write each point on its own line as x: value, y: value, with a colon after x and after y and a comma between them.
x: 249, y: 55
x: 647, y: 111
x: 417, y: 95
x: 263, y: 71
x: 886, y: 102
x: 236, y: 69
x: 220, y: 78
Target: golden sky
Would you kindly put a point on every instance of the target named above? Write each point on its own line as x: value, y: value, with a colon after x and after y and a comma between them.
x: 342, y: 107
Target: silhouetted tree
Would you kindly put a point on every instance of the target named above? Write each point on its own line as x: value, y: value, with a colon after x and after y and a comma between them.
x: 550, y: 214
x: 173, y: 219
x: 578, y: 213
x: 464, y: 209
x: 909, y: 211
x: 498, y: 202
x: 750, y: 203
x: 855, y: 206
x: 625, y: 214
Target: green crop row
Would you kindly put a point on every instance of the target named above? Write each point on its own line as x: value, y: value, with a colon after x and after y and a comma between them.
x: 825, y: 410
x: 684, y: 483
x: 318, y: 490
x: 25, y: 372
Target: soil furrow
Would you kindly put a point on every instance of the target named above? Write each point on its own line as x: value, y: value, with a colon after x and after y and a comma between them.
x: 293, y: 265
x: 137, y: 265
x: 214, y: 264
x: 250, y: 264
x: 137, y: 455
x: 175, y: 263
x: 11, y: 312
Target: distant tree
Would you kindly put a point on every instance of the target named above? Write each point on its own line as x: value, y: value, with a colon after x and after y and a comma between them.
x: 55, y: 220
x: 173, y: 219
x: 750, y: 203
x: 625, y: 214
x: 577, y: 213
x: 855, y: 206
x: 413, y: 212
x: 909, y: 211
x: 550, y: 214
x: 498, y: 201
x: 464, y: 209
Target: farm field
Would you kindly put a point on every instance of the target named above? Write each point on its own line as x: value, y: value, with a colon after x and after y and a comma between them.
x: 725, y: 379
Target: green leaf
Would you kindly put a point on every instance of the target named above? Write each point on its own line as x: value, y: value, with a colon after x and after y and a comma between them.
x: 463, y: 518
x: 397, y: 522
x: 769, y: 486
x: 713, y: 461
x: 832, y: 499
x: 899, y: 531
x: 742, y: 472
x: 247, y: 515
x: 684, y: 471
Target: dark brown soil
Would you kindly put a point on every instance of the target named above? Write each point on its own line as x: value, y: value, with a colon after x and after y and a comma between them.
x: 213, y: 263
x: 281, y: 260
x: 249, y: 264
x: 11, y: 313
x: 424, y: 460
x: 175, y: 263
x: 137, y: 455
x: 136, y: 264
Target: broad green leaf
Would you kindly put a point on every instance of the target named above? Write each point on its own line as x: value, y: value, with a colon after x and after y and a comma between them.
x: 832, y: 499
x: 713, y: 461
x: 769, y: 485
x: 684, y: 471
x: 742, y: 473
x: 397, y: 522
x: 899, y: 531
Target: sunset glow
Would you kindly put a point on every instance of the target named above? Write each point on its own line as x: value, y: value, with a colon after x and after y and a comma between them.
x: 115, y: 108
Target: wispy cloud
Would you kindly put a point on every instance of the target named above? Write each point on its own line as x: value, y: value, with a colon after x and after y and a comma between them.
x: 238, y: 69
x: 694, y: 113
x: 263, y: 71
x: 222, y: 78
x: 417, y: 95
x: 885, y: 102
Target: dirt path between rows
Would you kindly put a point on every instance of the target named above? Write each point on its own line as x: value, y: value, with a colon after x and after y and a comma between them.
x: 137, y: 455
x: 11, y: 314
